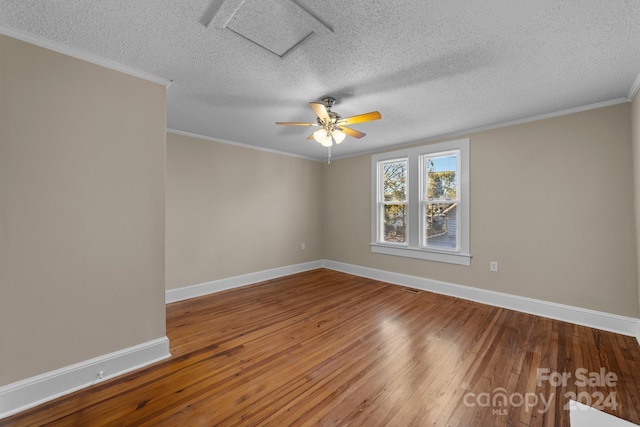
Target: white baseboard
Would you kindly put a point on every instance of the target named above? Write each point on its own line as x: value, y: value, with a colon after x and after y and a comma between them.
x: 179, y: 294
x: 595, y: 319
x: 581, y: 316
x: 30, y: 392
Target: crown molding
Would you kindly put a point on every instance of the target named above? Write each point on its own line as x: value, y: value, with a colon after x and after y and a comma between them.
x: 79, y: 54
x: 634, y: 89
x: 468, y: 132
x: 238, y: 144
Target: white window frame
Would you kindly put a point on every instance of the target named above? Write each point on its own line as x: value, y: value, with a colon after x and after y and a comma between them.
x: 413, y: 247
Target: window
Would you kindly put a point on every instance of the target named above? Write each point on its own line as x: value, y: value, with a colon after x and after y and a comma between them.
x: 394, y: 200
x: 421, y: 202
x: 439, y: 200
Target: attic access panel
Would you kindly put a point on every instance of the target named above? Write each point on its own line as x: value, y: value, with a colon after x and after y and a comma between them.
x: 275, y: 25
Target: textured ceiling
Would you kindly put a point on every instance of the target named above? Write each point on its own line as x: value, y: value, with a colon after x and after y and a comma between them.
x: 431, y: 67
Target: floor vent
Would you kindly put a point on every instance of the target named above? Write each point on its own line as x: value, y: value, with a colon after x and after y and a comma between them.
x: 411, y: 291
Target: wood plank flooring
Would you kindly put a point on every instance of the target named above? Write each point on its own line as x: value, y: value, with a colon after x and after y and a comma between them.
x: 326, y: 348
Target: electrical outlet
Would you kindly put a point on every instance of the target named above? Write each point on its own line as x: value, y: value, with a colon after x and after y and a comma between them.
x: 302, y: 246
x: 493, y: 266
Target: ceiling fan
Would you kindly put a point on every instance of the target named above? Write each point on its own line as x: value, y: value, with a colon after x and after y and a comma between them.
x: 332, y: 125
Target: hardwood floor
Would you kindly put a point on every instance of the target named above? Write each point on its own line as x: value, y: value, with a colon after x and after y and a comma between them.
x: 327, y: 348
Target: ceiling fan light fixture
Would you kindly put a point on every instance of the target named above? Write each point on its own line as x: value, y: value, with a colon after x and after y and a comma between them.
x: 338, y: 136
x: 333, y: 128
x: 323, y: 137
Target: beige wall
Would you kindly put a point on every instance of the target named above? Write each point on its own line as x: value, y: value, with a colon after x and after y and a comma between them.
x: 82, y: 152
x: 82, y: 211
x: 233, y: 210
x: 635, y: 134
x: 551, y: 201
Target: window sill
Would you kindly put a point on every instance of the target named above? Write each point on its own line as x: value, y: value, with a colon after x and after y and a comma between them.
x: 447, y: 257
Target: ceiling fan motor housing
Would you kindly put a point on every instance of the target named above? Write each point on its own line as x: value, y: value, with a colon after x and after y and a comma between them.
x: 328, y: 101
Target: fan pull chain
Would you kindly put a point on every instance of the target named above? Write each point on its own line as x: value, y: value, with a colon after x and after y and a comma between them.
x: 329, y: 155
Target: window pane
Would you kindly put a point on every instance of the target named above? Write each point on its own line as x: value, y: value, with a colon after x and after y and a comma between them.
x: 395, y: 223
x: 441, y: 177
x: 441, y: 222
x: 395, y: 181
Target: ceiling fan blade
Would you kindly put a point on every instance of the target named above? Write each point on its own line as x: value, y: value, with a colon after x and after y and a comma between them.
x: 361, y: 118
x: 296, y: 124
x: 351, y: 132
x: 321, y: 110
x: 310, y: 136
